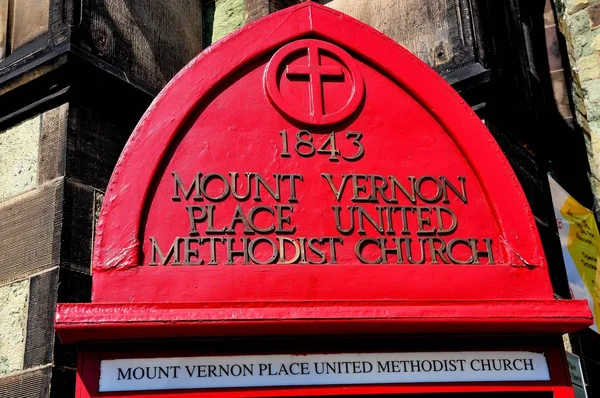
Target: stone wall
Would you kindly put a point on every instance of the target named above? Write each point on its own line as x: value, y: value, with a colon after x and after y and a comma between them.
x: 13, y: 325
x: 19, y: 146
x: 220, y: 18
x: 579, y: 22
x: 31, y: 190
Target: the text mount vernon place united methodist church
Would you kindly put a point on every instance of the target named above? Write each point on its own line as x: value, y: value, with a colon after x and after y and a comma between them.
x: 315, y: 212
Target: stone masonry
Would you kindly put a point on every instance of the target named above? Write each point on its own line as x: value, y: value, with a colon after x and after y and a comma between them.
x: 579, y: 22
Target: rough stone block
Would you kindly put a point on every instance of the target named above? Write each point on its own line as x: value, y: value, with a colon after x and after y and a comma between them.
x: 591, y: 90
x: 578, y: 90
x: 579, y: 23
x: 564, y: 29
x: 597, y: 43
x: 595, y: 186
x: 228, y: 16
x: 588, y: 145
x: 594, y: 130
x: 19, y: 155
x: 584, y: 45
x: 13, y: 325
x: 594, y: 12
x: 588, y: 68
x: 593, y: 148
x: 579, y: 104
x: 593, y: 112
x: 574, y: 6
x: 583, y: 122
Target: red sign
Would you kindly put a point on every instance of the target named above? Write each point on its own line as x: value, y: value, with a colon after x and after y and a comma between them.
x: 316, y: 179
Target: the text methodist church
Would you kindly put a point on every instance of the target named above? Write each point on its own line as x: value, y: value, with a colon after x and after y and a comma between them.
x: 306, y: 209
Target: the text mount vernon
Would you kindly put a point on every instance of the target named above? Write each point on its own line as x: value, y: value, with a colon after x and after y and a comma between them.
x: 396, y: 219
x: 320, y: 369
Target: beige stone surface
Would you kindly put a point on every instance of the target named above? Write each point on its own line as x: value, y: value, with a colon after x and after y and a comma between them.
x: 29, y: 20
x: 13, y: 325
x: 584, y: 45
x: 399, y: 19
x: 588, y: 68
x: 591, y: 91
x: 19, y: 155
x: 567, y: 343
x: 593, y: 113
x: 578, y: 101
x: 593, y: 148
x: 229, y: 15
x: 579, y: 23
x: 582, y: 121
x: 574, y: 6
x: 597, y: 43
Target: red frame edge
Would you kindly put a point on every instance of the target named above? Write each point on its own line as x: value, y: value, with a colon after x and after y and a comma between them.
x: 76, y: 323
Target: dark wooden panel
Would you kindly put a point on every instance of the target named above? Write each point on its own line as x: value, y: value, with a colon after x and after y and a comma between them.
x: 29, y: 384
x: 40, y: 319
x: 150, y: 40
x: 531, y: 172
x: 526, y: 168
x: 77, y: 227
x: 276, y: 5
x: 256, y: 9
x: 97, y: 129
x: 586, y: 344
x: 64, y: 14
x: 53, y: 144
x: 74, y: 287
x: 63, y: 383
x: 554, y: 256
x: 30, y: 227
x: 591, y: 370
x: 94, y: 144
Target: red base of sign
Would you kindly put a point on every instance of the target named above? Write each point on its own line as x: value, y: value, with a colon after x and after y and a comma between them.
x: 558, y: 386
x: 97, y: 322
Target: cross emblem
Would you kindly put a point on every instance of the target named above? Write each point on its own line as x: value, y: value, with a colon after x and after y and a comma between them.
x: 287, y: 65
x: 315, y: 73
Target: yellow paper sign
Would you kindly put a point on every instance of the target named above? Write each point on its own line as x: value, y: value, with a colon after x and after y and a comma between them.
x: 580, y: 241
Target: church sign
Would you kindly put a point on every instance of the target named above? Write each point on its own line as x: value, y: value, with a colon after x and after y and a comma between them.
x: 315, y: 180
x: 142, y: 374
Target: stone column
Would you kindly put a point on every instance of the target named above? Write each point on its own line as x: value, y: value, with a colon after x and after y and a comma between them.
x: 579, y: 22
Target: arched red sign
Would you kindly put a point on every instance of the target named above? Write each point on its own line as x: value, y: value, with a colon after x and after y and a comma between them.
x: 318, y: 178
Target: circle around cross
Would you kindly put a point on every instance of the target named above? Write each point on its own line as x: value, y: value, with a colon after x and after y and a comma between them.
x: 314, y: 71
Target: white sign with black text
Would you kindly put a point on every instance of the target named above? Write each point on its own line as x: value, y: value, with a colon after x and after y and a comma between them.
x: 319, y: 369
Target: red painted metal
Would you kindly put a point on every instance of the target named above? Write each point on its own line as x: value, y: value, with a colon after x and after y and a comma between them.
x: 315, y: 114
x: 223, y: 113
x: 150, y: 321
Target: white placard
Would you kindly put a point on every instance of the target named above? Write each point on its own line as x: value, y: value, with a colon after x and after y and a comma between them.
x: 143, y: 374
x: 576, y: 375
